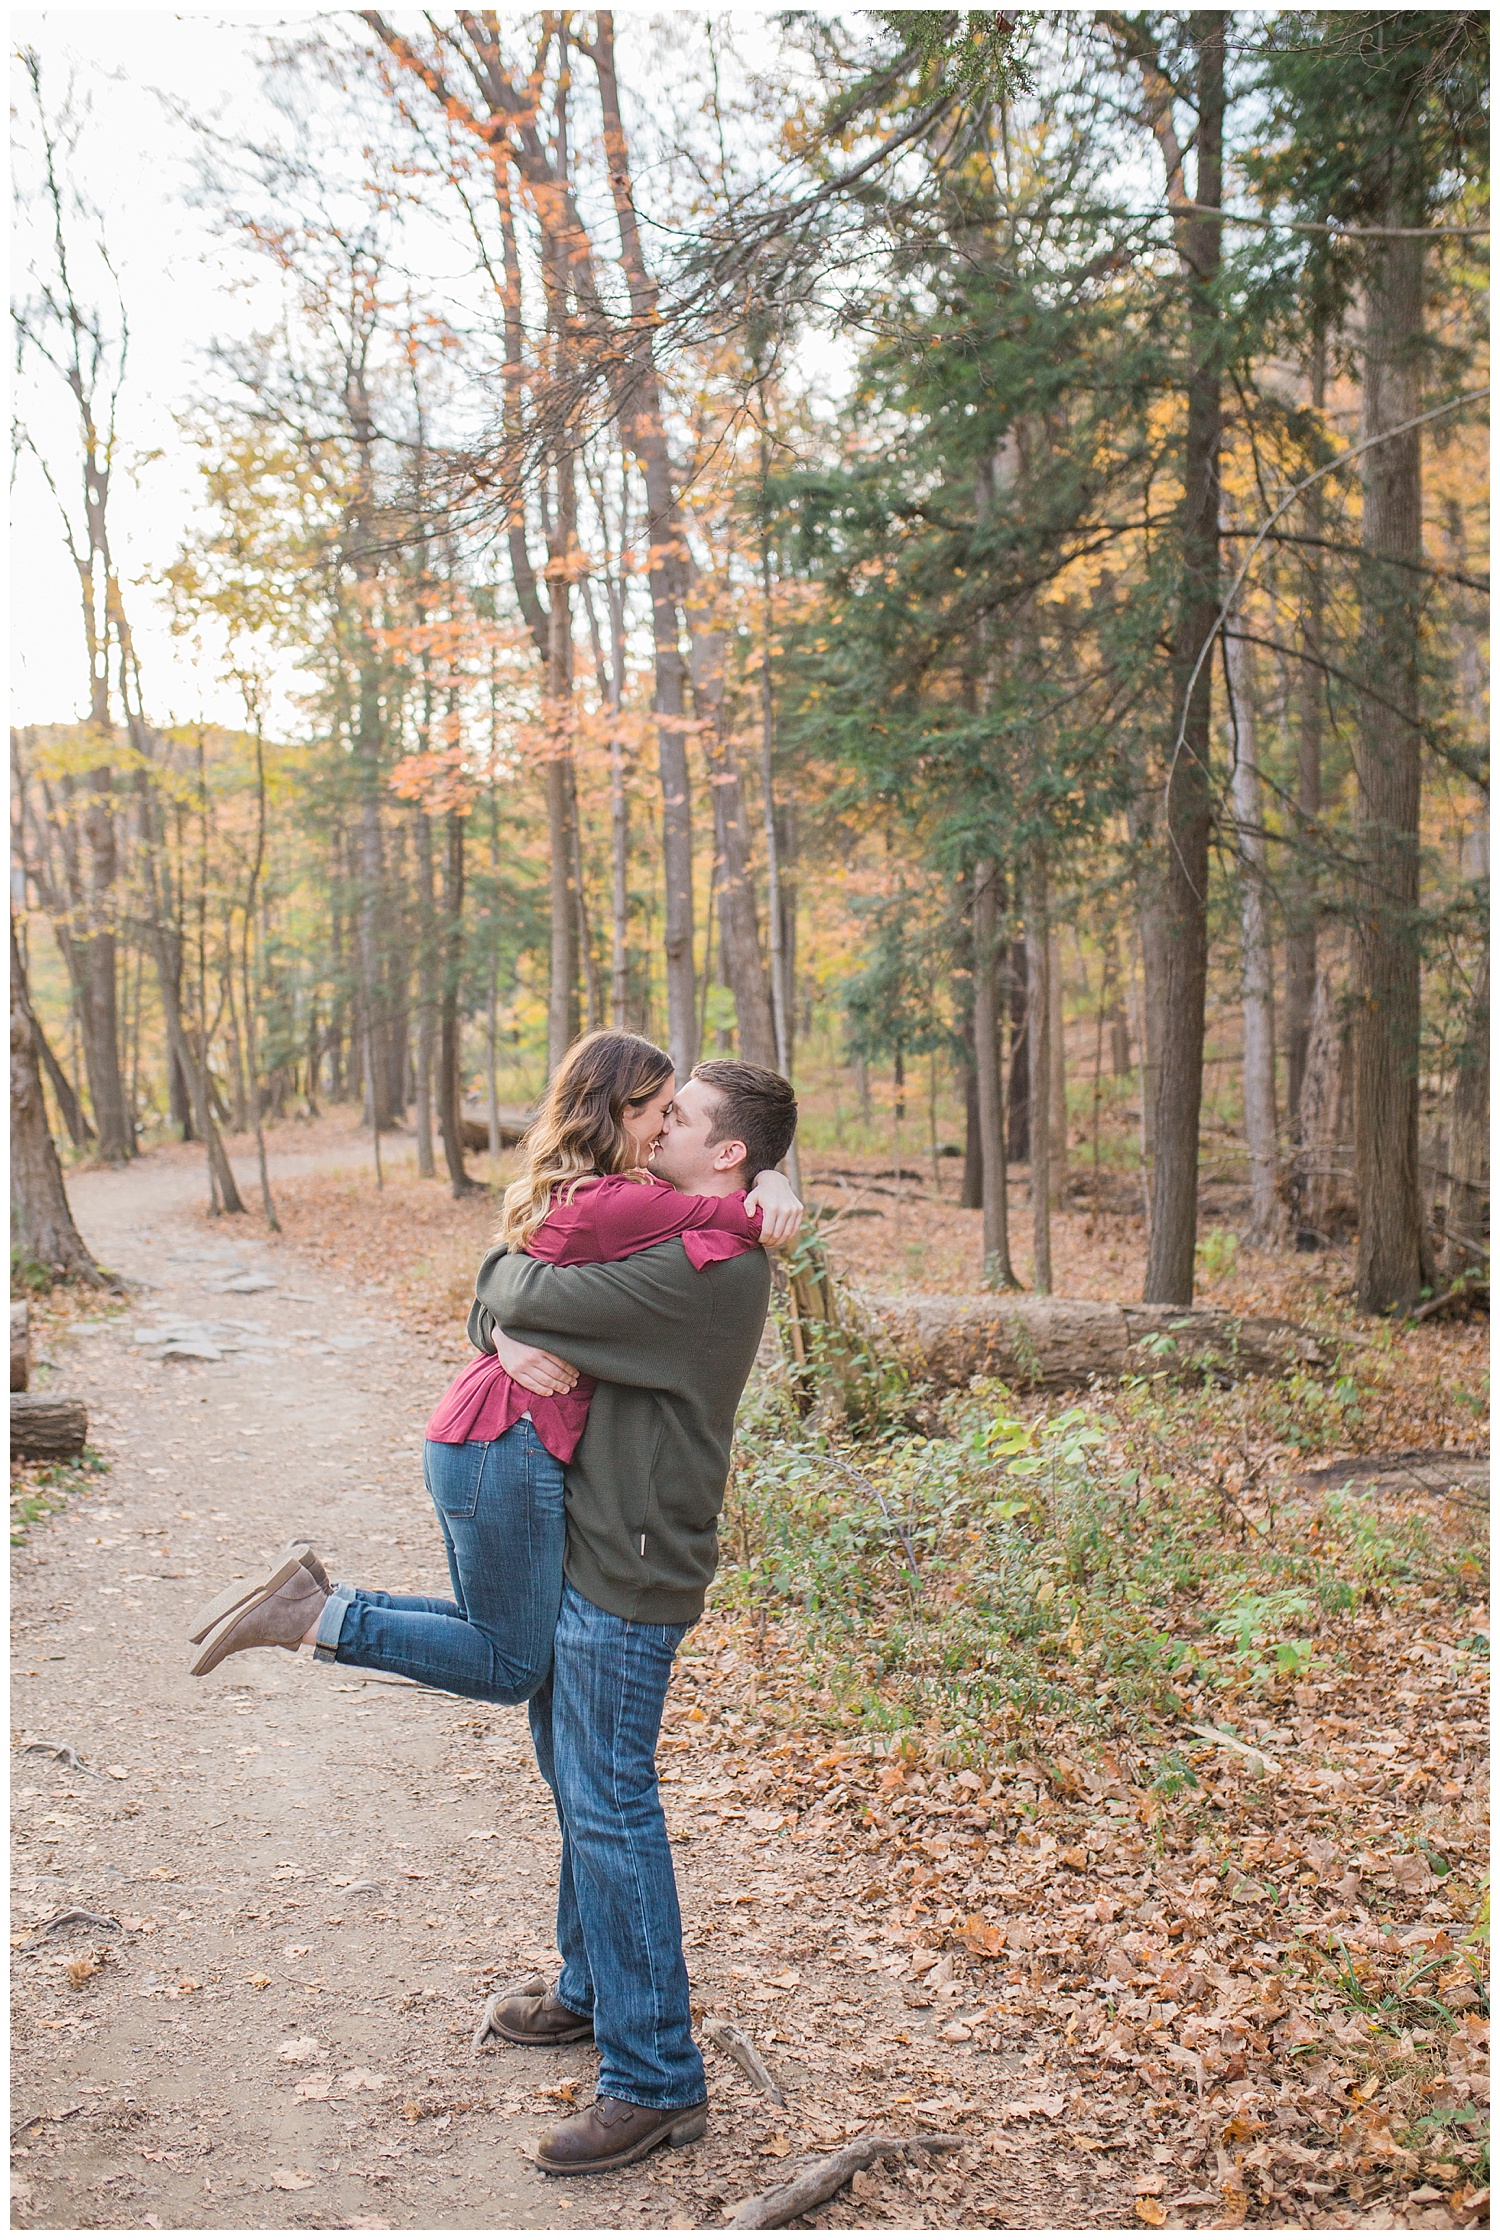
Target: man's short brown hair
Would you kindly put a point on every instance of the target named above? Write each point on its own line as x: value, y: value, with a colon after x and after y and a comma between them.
x: 755, y: 1105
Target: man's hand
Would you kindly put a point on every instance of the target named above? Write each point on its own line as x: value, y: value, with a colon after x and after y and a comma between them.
x: 533, y: 1370
x: 780, y: 1207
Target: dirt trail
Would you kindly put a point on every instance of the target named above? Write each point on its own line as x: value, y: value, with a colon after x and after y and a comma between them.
x: 317, y: 1877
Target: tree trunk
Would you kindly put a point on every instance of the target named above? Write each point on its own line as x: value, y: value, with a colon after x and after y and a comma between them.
x: 1265, y: 1228
x: 450, y: 1086
x: 396, y: 1003
x: 1152, y: 925
x: 101, y: 1033
x: 1392, y: 1262
x: 1039, y: 1059
x: 427, y: 994
x: 43, y: 1232
x: 1302, y: 885
x: 1057, y: 1085
x: 998, y: 1272
x: 372, y: 881
x: 1320, y: 1180
x: 1116, y: 1018
x: 744, y: 965
x: 971, y: 1190
x: 1017, y: 978
x: 1179, y: 1090
x: 1467, y: 1221
x: 645, y: 433
x: 562, y: 1004
x: 593, y: 993
x: 781, y: 992
x: 619, y: 816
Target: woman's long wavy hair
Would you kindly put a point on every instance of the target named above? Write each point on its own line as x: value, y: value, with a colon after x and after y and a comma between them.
x: 580, y: 1129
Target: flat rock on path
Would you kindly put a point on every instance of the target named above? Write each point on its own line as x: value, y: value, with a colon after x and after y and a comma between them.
x: 318, y: 1877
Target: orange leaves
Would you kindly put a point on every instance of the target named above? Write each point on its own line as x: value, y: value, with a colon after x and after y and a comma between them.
x: 440, y: 782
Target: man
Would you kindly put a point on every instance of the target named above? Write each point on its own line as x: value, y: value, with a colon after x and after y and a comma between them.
x: 671, y: 1348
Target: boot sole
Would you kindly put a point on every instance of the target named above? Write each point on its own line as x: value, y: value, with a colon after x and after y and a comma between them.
x: 262, y: 1591
x: 235, y: 1597
x: 678, y: 2131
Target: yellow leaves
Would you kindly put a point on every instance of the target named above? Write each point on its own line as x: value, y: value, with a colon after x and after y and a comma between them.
x: 1150, y: 2211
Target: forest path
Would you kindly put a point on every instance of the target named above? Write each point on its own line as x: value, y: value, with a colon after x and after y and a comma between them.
x: 317, y: 1876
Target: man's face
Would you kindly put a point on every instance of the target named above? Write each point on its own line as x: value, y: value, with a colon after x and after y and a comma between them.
x: 685, y: 1157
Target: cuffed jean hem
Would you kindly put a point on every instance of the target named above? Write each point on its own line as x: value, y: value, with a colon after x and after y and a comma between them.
x: 331, y: 1624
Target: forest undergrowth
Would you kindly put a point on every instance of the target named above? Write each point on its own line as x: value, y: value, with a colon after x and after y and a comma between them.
x: 1158, y: 1716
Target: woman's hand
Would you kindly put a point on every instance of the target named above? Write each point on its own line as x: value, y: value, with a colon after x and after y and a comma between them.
x: 779, y: 1206
x: 533, y: 1369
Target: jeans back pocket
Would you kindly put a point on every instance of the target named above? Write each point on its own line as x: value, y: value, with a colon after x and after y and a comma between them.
x: 453, y: 1475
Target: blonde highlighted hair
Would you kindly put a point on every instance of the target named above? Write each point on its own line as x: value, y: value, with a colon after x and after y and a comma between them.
x: 580, y: 1130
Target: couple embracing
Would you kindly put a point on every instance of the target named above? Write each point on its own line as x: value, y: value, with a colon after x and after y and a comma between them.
x: 577, y: 1467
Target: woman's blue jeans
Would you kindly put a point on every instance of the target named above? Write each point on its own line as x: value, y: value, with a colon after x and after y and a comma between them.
x: 595, y: 1725
x: 500, y: 1505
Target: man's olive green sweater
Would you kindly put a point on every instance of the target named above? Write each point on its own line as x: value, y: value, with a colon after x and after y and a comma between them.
x: 671, y: 1347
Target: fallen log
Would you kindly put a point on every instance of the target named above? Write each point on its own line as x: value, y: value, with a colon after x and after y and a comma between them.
x: 819, y: 2180
x: 1058, y: 1343
x: 474, y: 1127
x: 20, y: 1345
x: 43, y: 1427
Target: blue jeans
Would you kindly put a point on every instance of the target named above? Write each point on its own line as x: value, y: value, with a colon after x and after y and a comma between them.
x: 500, y: 1505
x: 594, y: 1723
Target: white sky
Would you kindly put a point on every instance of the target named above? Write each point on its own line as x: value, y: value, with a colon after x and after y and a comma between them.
x: 175, y: 280
x: 183, y: 286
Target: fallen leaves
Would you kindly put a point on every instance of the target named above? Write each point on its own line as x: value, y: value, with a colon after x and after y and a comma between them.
x: 1233, y: 1921
x: 291, y: 2181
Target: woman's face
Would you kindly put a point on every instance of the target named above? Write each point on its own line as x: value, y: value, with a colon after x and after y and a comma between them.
x: 642, y: 1120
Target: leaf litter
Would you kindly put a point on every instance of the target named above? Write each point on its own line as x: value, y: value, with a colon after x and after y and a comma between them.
x: 1199, y: 1944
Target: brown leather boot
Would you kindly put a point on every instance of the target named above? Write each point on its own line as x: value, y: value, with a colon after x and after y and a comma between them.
x: 528, y: 2014
x: 280, y: 1609
x: 609, y: 2133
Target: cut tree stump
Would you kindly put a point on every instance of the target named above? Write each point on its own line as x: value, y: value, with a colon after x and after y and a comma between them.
x: 1057, y: 1343
x: 20, y: 1345
x: 44, y: 1427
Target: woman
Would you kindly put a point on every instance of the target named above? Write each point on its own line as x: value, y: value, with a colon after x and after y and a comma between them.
x: 498, y: 1440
